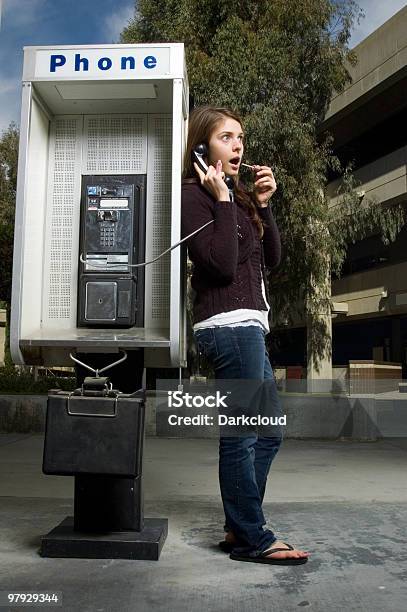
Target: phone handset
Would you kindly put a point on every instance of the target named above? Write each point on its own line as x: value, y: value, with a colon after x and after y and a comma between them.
x: 201, y: 151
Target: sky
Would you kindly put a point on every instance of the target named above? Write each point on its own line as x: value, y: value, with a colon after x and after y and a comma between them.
x: 68, y: 22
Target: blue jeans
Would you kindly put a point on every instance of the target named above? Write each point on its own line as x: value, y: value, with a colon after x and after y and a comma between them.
x: 244, y: 461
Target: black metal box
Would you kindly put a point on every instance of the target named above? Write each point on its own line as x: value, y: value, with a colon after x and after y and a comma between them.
x: 94, y: 435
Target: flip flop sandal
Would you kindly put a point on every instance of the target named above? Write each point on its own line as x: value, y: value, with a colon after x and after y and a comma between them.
x: 262, y: 558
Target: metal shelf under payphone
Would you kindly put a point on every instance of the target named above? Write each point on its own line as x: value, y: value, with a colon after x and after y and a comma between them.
x: 133, y: 337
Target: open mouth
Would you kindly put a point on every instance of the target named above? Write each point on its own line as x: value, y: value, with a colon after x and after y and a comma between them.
x: 235, y: 161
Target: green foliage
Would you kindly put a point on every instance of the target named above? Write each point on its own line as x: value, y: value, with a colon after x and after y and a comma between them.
x: 8, y: 185
x: 254, y: 53
x: 13, y: 381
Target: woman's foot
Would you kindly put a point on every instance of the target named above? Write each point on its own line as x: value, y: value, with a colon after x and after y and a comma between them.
x: 230, y: 537
x: 294, y: 553
x: 282, y: 554
x: 229, y: 543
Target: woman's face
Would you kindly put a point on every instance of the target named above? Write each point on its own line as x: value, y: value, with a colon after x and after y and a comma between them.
x: 226, y: 144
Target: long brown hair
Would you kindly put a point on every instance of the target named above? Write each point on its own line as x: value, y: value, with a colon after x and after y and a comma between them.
x: 202, y: 122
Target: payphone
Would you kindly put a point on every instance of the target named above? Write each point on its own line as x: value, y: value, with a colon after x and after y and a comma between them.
x: 102, y: 137
x: 112, y: 241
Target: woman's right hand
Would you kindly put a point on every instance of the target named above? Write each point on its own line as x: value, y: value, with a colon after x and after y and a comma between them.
x: 213, y: 181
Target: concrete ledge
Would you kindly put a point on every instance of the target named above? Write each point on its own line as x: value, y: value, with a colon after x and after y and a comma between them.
x: 330, y: 417
x: 22, y: 413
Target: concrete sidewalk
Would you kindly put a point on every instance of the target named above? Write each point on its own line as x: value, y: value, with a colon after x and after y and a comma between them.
x: 342, y: 501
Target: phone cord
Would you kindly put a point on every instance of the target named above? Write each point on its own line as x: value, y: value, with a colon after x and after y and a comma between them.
x: 146, y: 263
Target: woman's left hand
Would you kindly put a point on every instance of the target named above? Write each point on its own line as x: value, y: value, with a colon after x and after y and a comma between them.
x: 264, y: 186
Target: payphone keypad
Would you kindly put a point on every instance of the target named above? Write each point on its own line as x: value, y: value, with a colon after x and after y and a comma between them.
x: 107, y: 236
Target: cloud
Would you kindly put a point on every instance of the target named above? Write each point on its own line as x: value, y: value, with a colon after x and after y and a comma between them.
x: 18, y: 13
x: 8, y: 86
x: 376, y: 13
x: 114, y: 23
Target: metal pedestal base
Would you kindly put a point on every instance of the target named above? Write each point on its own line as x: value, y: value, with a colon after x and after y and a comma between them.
x: 64, y: 542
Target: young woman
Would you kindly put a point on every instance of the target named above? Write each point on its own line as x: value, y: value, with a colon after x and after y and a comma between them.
x: 230, y: 314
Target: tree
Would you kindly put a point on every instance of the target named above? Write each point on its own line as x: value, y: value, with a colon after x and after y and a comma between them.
x: 8, y: 186
x: 278, y: 64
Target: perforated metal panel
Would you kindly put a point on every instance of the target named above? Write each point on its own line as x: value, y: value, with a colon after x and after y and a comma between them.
x: 108, y: 154
x: 158, y: 220
x: 64, y: 159
x: 115, y: 144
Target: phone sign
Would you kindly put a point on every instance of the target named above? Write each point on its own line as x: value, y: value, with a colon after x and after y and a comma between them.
x: 108, y: 63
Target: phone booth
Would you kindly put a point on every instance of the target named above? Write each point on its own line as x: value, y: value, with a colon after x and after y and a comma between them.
x: 102, y: 136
